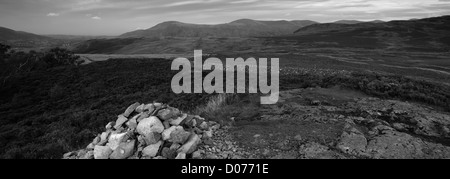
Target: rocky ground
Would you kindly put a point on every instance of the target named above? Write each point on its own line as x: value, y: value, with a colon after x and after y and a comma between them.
x: 334, y: 123
x: 310, y: 123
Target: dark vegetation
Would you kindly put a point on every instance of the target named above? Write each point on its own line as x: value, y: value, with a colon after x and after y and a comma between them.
x: 104, y: 45
x: 44, y: 113
x: 375, y: 84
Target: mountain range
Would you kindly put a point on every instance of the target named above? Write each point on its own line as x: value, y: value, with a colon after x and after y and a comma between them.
x: 175, y: 37
x: 238, y: 28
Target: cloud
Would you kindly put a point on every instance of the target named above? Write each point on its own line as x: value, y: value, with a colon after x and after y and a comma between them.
x: 96, y: 18
x: 52, y: 14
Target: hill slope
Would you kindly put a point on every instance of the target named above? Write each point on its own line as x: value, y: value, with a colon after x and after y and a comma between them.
x: 239, y: 28
x: 9, y: 34
x: 423, y: 34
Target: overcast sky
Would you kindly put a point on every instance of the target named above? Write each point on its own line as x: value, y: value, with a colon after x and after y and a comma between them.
x: 114, y: 17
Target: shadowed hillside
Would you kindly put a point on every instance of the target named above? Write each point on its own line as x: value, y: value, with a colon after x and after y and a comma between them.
x: 239, y: 28
x: 431, y: 34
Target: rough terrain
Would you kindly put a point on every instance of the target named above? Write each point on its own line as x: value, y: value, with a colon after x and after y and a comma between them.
x: 318, y: 123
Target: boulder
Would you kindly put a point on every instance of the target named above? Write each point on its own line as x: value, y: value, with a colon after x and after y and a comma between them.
x: 166, y: 133
x: 120, y: 121
x: 152, y: 150
x: 149, y: 125
x: 115, y: 140
x: 130, y: 109
x: 142, y: 116
x: 177, y: 122
x: 102, y: 152
x: 104, y: 138
x: 132, y: 123
x: 151, y: 128
x: 125, y: 150
x: 191, y: 145
x: 168, y: 113
x: 179, y: 135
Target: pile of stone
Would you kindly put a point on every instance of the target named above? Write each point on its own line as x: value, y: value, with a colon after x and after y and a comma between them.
x: 149, y: 131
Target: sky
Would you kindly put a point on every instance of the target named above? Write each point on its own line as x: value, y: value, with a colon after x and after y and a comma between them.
x: 115, y: 17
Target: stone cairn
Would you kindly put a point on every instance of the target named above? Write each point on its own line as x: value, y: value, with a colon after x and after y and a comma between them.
x: 149, y: 131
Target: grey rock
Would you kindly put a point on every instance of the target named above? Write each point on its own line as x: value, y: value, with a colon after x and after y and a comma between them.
x: 130, y: 109
x: 151, y: 128
x: 140, y: 108
x: 142, y: 116
x: 104, y: 138
x: 179, y: 135
x: 181, y: 156
x: 149, y: 108
x: 166, y: 133
x: 96, y: 140
x: 120, y: 121
x: 197, y: 155
x: 152, y: 150
x: 102, y: 152
x: 88, y: 155
x: 110, y: 125
x: 168, y: 113
x: 208, y: 134
x: 204, y: 126
x: 177, y: 122
x: 352, y: 141
x: 166, y: 124
x: 132, y: 123
x: 115, y: 140
x: 125, y: 150
x: 191, y: 145
x: 91, y: 146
